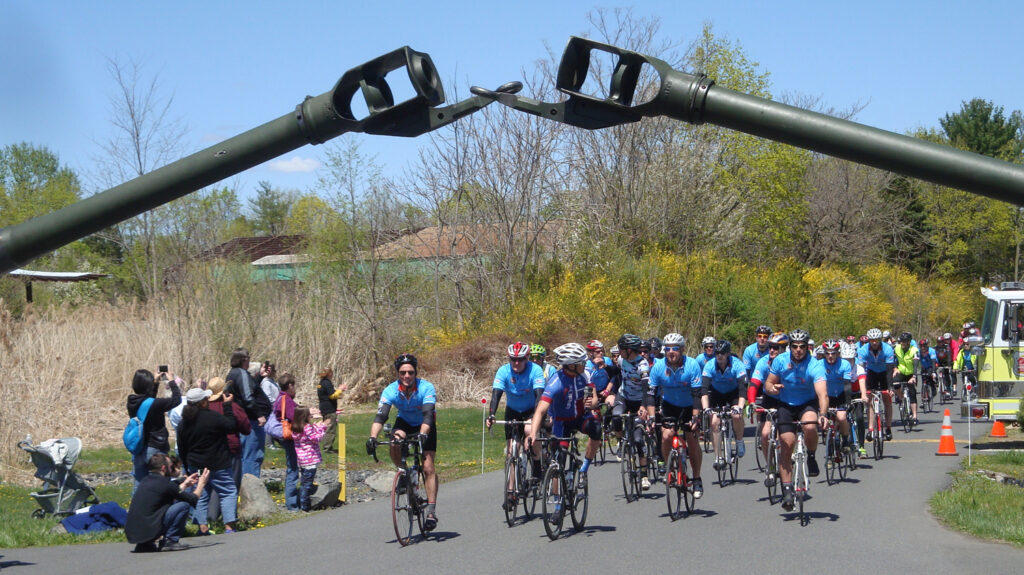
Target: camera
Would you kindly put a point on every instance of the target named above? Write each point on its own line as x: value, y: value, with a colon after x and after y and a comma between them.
x: 162, y: 369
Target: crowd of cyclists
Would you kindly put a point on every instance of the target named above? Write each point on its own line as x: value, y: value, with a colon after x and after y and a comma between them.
x: 580, y: 389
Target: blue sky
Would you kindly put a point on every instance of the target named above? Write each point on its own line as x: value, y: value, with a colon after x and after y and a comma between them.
x: 231, y: 66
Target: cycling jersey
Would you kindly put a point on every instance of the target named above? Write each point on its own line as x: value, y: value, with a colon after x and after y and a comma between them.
x: 676, y: 385
x: 797, y: 379
x: 928, y: 359
x: 837, y: 376
x: 876, y: 362
x: 635, y: 378
x: 566, y: 395
x: 599, y: 378
x: 905, y: 359
x: 410, y: 408
x: 943, y: 355
x: 727, y: 380
x: 761, y: 373
x: 519, y: 387
x: 964, y: 360
x: 752, y: 355
x: 703, y: 359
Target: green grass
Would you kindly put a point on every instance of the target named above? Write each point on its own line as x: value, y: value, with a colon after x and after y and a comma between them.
x: 458, y: 457
x: 982, y: 507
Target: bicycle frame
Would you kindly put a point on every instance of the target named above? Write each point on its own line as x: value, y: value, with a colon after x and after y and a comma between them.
x: 408, y: 501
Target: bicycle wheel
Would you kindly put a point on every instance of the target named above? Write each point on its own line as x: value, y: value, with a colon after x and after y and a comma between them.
x: 705, y: 426
x: 905, y: 412
x: 731, y: 459
x: 403, y: 509
x: 686, y: 484
x: 722, y: 468
x: 771, y: 480
x: 629, y: 473
x: 523, y: 486
x: 758, y: 456
x: 854, y: 453
x: 841, y: 457
x: 830, y: 457
x: 510, y: 500
x: 674, y: 476
x: 879, y: 437
x: 552, y: 508
x: 653, y: 450
x: 580, y: 495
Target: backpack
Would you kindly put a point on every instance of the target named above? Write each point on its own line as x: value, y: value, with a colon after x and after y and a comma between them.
x: 134, y: 437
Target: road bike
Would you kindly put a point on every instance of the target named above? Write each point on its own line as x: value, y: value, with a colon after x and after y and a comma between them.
x: 518, y: 487
x: 610, y: 445
x: 678, y: 484
x: 875, y: 428
x: 947, y: 391
x: 757, y: 412
x: 903, y: 400
x: 855, y: 415
x: 771, y: 467
x: 408, y: 496
x: 927, y: 381
x: 728, y: 465
x: 631, y: 470
x: 564, y: 488
x: 706, y: 431
x: 801, y: 478
x: 835, y: 459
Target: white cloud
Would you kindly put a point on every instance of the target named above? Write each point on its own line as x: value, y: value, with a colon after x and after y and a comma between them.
x: 294, y: 164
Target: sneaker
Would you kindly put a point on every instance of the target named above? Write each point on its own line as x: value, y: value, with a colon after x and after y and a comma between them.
x: 718, y: 464
x: 510, y: 502
x: 741, y: 449
x: 146, y: 548
x: 863, y: 453
x: 788, y: 497
x: 769, y: 480
x: 914, y: 421
x: 870, y: 435
x: 812, y: 467
x: 645, y: 483
x: 202, y: 533
x: 698, y: 488
x: 888, y: 434
x: 583, y: 481
x: 430, y: 523
x: 174, y: 546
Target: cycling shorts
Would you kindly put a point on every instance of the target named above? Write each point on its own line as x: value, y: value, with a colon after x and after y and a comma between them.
x: 789, y: 415
x: 876, y: 381
x: 675, y: 414
x: 513, y: 415
x: 839, y: 402
x: 430, y: 444
x: 718, y: 399
x: 587, y: 425
x: 900, y: 378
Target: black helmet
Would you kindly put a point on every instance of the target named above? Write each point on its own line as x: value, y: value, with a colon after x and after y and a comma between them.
x: 905, y: 336
x: 723, y: 346
x: 406, y: 358
x: 655, y: 343
x: 629, y: 341
x: 763, y: 330
x: 799, y: 336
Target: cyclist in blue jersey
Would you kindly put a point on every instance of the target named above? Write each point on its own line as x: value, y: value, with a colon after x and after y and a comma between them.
x: 838, y: 379
x: 878, y: 360
x: 755, y: 351
x: 707, y: 346
x: 676, y: 380
x: 799, y: 381
x: 929, y: 361
x: 415, y: 399
x: 724, y: 384
x: 633, y: 396
x: 523, y: 382
x: 603, y: 374
x: 570, y: 400
x: 777, y: 343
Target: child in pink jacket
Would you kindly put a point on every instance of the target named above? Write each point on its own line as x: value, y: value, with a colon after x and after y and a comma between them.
x: 307, y: 437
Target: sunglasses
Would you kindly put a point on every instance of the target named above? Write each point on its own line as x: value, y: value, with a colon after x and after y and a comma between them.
x: 407, y: 373
x: 775, y: 347
x: 798, y: 346
x: 516, y: 359
x: 709, y: 345
x: 672, y: 348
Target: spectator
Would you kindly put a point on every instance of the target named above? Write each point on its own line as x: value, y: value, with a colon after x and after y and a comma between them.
x: 272, y: 390
x: 160, y: 506
x: 257, y: 407
x: 155, y: 427
x: 307, y: 437
x: 216, y: 387
x: 291, y: 473
x: 203, y: 444
x: 328, y: 397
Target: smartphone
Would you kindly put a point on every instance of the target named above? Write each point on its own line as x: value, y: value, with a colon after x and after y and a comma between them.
x: 162, y: 368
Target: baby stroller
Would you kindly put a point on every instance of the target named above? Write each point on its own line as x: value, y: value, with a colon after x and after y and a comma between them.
x: 64, y: 492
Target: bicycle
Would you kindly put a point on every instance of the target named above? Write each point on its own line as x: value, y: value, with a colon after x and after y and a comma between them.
x: 610, y: 444
x: 835, y: 459
x: 564, y: 488
x: 771, y: 467
x: 517, y: 487
x: 903, y: 400
x: 947, y: 391
x: 652, y: 446
x: 630, y: 468
x: 730, y: 463
x: 755, y: 412
x: 706, y: 431
x: 854, y: 415
x: 678, y: 485
x: 877, y: 434
x: 408, y: 497
x: 926, y: 379
x: 801, y: 478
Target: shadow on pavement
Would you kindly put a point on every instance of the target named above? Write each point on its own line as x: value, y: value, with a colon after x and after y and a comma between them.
x: 6, y: 564
x: 441, y: 536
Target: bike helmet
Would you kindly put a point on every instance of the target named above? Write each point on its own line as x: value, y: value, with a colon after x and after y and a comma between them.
x: 906, y: 336
x: 708, y: 340
x: 831, y: 345
x: 614, y: 350
x: 972, y: 331
x: 969, y: 324
x: 763, y: 330
x: 645, y: 345
x: 851, y: 339
x: 655, y: 343
x: 629, y: 341
x: 723, y: 346
x: 947, y: 336
x: 779, y: 338
x: 886, y: 334
x: 819, y: 352
x: 538, y: 349
x: 570, y: 353
x: 923, y: 342
x: 799, y: 336
x: 595, y: 345
x: 875, y: 333
x: 404, y: 359
x: 675, y: 339
x: 810, y: 343
x: 864, y: 339
x: 518, y: 350
x: 848, y: 351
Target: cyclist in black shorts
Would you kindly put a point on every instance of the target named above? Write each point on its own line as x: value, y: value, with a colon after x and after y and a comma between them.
x: 633, y: 395
x: 878, y: 360
x: 676, y: 380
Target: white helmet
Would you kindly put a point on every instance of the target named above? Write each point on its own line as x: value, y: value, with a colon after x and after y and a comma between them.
x: 570, y: 353
x: 886, y: 334
x: 847, y: 350
x: 708, y: 340
x: 674, y: 339
x: 874, y: 333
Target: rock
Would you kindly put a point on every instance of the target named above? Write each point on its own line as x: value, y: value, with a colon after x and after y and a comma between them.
x: 325, y: 496
x: 381, y: 481
x: 254, y: 500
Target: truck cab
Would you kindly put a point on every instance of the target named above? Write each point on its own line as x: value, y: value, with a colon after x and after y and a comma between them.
x: 999, y: 358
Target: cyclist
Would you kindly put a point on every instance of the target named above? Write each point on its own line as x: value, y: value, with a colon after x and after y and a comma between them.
x: 858, y: 387
x: 708, y: 345
x: 615, y: 354
x: 799, y: 382
x: 570, y: 401
x: 903, y: 373
x: 777, y: 343
x: 724, y: 383
x: 944, y: 359
x: 928, y: 363
x: 965, y: 363
x: 676, y: 379
x: 887, y: 338
x: 598, y: 367
x: 656, y: 351
x: 634, y: 395
x: 537, y: 355
x: 878, y: 360
x: 837, y: 381
x: 758, y: 349
x: 523, y: 381
x: 862, y: 342
x: 414, y: 398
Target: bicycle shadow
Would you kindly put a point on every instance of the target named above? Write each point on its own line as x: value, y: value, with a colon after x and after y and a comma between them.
x: 15, y: 563
x: 810, y: 516
x: 440, y: 536
x: 743, y: 481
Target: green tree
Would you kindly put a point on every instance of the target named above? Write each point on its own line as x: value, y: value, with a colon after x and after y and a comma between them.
x: 982, y: 127
x: 270, y: 209
x: 33, y: 183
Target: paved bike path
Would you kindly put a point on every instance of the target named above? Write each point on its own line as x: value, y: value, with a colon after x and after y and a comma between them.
x: 876, y: 522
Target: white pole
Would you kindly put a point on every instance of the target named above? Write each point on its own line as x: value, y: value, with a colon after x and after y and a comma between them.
x: 483, y: 435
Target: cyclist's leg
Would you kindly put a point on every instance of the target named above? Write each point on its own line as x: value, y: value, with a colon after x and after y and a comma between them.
x: 809, y: 419
x: 401, y: 430
x: 618, y: 410
x: 737, y: 421
x: 912, y: 389
x: 787, y: 440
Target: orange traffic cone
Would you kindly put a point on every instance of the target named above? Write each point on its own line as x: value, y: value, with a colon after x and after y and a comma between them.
x: 998, y: 429
x: 947, y: 445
